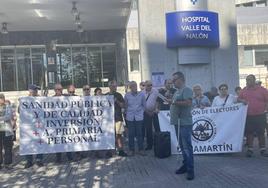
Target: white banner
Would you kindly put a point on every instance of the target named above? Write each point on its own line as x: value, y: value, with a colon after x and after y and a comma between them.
x: 65, y: 124
x: 215, y: 129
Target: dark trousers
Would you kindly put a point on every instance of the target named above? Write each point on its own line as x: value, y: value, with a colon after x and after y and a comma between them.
x: 29, y: 158
x: 149, y: 122
x: 68, y: 154
x: 6, y: 143
x: 255, y: 124
x: 135, y: 130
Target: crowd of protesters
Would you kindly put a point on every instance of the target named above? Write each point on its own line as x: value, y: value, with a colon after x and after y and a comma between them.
x: 136, y: 114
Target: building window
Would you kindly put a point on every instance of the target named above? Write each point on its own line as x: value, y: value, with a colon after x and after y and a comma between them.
x: 8, y: 67
x: 94, y: 66
x: 109, y: 66
x: 24, y: 67
x: 134, y: 5
x: 248, y: 57
x: 64, y: 65
x: 261, y: 55
x: 261, y: 3
x: 247, y: 4
x: 254, y: 56
x: 134, y: 57
x: 79, y: 66
x: 83, y: 64
x: 38, y: 61
x: 75, y: 64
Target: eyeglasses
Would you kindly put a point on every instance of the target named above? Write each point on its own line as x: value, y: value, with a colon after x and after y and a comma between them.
x: 223, y: 88
x: 72, y: 92
x: 58, y: 89
x: 149, y: 85
x: 86, y: 89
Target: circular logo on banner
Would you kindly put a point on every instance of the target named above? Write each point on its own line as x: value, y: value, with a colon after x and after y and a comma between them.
x: 204, y: 129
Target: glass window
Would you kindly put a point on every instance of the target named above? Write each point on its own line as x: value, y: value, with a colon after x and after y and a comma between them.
x: 8, y: 69
x: 24, y: 67
x: 94, y: 66
x: 79, y: 66
x: 64, y: 65
x: 38, y: 66
x: 109, y: 64
x: 261, y: 55
x: 248, y: 57
x: 261, y: 3
x: 248, y: 4
x: 134, y: 5
x: 134, y: 57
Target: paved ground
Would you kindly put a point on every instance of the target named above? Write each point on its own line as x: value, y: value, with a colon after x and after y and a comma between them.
x: 225, y: 170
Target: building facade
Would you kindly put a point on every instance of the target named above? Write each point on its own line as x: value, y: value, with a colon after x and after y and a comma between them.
x: 252, y: 30
x: 206, y: 66
x: 252, y: 40
x: 66, y: 42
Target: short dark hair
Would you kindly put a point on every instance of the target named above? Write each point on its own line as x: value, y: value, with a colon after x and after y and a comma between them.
x: 237, y: 88
x: 180, y: 75
x: 97, y: 89
x: 251, y: 75
x: 223, y: 85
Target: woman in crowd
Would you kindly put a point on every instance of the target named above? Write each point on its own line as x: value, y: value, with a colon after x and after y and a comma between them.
x: 6, y: 132
x: 224, y: 99
x: 199, y: 100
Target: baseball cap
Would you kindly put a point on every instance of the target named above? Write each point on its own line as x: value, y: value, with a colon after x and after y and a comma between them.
x: 33, y: 87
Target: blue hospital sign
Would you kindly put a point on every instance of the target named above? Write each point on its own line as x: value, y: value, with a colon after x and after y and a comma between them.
x: 192, y: 28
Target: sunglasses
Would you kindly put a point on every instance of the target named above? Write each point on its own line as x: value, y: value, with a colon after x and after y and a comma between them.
x: 224, y: 88
x: 86, y: 89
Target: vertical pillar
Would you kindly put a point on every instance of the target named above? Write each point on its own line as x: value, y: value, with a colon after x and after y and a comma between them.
x: 193, y: 55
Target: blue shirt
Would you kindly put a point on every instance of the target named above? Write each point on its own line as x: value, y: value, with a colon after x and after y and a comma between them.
x: 201, y: 102
x: 135, y: 105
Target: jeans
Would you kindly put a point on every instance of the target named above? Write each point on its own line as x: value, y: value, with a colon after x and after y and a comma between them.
x: 135, y: 130
x: 185, y: 142
x: 29, y: 158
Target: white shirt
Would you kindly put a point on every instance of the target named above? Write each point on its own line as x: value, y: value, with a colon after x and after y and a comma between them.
x: 219, y: 101
x: 151, y: 99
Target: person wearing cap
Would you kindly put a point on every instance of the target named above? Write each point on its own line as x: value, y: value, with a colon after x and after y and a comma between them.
x: 6, y: 132
x: 33, y: 92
